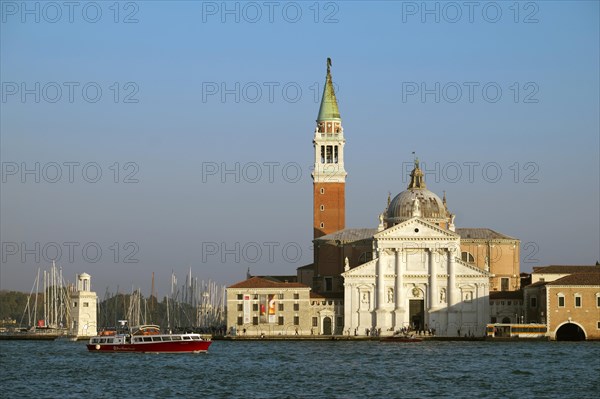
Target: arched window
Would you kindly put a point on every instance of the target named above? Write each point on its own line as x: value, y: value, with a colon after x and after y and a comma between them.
x: 322, y: 208
x: 467, y: 257
x: 322, y: 224
x: 322, y: 190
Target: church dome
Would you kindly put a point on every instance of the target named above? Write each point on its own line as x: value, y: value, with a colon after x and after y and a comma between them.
x: 429, y: 206
x: 401, y: 207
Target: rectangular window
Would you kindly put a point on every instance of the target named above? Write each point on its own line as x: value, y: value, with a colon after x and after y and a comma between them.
x: 533, y: 302
x: 86, y: 304
x: 255, y: 320
x: 577, y: 301
x: 296, y: 307
x: 315, y: 322
x: 322, y: 154
x: 240, y: 297
x: 561, y: 301
x: 240, y: 307
x: 296, y: 296
x: 279, y: 296
x: 598, y: 301
x: 296, y: 320
x: 504, y: 284
x: 255, y: 307
x: 280, y: 320
x: 335, y: 154
x: 328, y: 284
x: 281, y: 307
x: 240, y: 321
x: 598, y: 326
x: 74, y: 304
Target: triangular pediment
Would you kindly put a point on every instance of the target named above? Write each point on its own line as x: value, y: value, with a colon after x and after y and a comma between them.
x: 463, y: 268
x: 366, y: 269
x: 416, y: 228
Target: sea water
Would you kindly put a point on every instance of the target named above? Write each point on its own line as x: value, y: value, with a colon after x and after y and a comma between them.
x: 306, y: 369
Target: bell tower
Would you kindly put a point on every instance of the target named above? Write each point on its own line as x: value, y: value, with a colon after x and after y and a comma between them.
x: 329, y: 175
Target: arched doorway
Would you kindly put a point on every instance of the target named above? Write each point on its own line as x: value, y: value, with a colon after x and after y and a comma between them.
x: 506, y: 320
x: 570, y: 332
x: 327, y: 326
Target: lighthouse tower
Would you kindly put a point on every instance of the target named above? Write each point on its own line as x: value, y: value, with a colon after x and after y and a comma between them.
x: 83, y: 308
x: 329, y: 175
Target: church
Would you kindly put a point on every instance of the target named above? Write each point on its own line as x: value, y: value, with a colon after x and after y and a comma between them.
x: 410, y: 271
x: 416, y: 270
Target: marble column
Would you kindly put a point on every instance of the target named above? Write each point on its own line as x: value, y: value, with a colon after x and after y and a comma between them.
x: 478, y: 299
x: 451, y: 294
x: 380, y: 312
x: 433, y: 300
x: 398, y: 297
x: 349, y: 305
x: 380, y: 287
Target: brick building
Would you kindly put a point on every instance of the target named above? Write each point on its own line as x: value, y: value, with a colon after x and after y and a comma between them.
x: 567, y: 300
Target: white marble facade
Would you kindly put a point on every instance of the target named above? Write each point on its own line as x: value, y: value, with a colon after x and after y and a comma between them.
x: 416, y: 280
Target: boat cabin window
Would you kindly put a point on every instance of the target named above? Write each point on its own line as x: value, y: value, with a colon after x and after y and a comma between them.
x: 166, y: 338
x: 176, y: 338
x: 156, y: 339
x: 186, y: 337
x: 147, y: 339
x: 137, y: 339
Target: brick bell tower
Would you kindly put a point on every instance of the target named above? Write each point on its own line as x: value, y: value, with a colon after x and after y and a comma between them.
x: 329, y: 175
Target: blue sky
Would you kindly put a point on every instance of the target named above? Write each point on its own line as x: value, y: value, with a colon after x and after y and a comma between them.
x: 500, y: 102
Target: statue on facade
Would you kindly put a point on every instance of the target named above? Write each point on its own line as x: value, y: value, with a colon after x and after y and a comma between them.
x: 365, y: 298
x: 416, y: 208
x: 346, y: 264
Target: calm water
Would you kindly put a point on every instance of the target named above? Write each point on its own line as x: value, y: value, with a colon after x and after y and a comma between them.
x: 306, y: 370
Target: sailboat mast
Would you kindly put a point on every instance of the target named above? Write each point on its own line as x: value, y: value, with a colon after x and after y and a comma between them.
x: 37, y: 293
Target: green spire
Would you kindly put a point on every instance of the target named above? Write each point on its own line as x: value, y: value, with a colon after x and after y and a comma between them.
x: 329, y: 107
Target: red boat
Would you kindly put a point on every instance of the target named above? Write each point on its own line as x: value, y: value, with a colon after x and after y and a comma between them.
x: 147, y: 339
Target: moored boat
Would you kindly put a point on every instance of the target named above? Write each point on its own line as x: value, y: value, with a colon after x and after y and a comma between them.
x: 401, y: 338
x: 147, y: 339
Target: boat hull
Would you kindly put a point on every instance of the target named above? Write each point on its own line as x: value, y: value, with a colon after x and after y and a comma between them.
x: 400, y: 339
x: 153, y: 347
